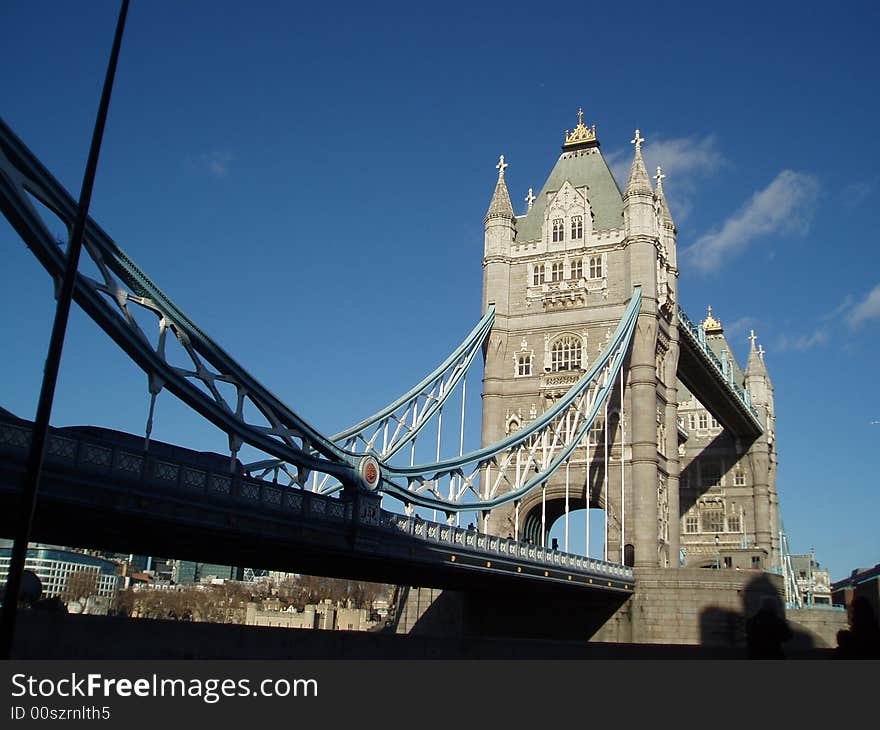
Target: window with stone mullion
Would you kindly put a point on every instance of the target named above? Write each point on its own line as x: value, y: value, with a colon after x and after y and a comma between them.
x: 566, y: 354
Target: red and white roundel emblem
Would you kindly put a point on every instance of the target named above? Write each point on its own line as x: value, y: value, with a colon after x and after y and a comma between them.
x: 370, y: 472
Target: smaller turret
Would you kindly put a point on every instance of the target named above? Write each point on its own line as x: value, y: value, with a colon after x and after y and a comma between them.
x: 639, y: 216
x: 757, y: 378
x: 668, y: 230
x: 500, y: 221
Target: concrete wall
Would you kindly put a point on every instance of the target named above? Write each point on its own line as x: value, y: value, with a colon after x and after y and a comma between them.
x: 430, y: 612
x: 820, y: 624
x: 697, y: 605
x: 685, y: 606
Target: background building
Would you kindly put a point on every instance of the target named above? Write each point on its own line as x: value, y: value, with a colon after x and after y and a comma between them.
x: 55, y: 565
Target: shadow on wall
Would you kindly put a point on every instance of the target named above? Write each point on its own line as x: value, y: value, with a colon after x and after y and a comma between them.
x: 760, y: 627
x: 689, y: 475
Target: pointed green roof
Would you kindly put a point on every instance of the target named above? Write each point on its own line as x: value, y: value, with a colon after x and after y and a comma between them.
x: 580, y: 167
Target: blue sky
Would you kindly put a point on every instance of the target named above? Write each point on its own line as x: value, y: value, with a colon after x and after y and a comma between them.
x: 309, y: 185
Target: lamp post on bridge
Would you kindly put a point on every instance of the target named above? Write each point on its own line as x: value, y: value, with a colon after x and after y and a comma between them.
x: 717, y: 552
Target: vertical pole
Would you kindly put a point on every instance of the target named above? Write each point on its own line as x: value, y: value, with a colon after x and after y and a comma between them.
x: 544, y: 514
x: 461, y: 437
x: 607, y: 493
x: 439, y: 433
x: 415, y: 423
x: 622, y: 472
x: 587, y: 496
x: 53, y: 360
x: 149, y: 428
x: 516, y: 523
x: 566, y: 506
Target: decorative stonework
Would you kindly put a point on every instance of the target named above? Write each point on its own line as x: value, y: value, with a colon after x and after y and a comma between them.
x: 662, y: 511
x: 712, y: 326
x: 525, y: 356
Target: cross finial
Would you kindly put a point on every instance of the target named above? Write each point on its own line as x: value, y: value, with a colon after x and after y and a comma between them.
x: 752, y: 337
x: 637, y: 140
x: 761, y: 351
x: 580, y: 116
x: 501, y: 166
x: 659, y: 177
x: 530, y: 198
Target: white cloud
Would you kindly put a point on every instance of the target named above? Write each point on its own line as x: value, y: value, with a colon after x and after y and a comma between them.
x: 683, y: 159
x: 803, y: 342
x: 868, y: 308
x: 784, y: 206
x: 736, y: 330
x: 217, y: 163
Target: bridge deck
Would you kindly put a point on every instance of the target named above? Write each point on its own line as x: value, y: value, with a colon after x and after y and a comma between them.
x: 168, y: 502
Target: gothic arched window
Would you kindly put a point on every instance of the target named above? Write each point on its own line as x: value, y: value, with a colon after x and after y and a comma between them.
x: 577, y: 227
x: 558, y: 229
x: 556, y: 271
x: 577, y: 269
x: 538, y: 275
x: 596, y: 267
x: 565, y: 354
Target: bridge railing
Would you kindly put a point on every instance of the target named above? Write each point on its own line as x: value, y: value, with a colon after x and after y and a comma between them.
x: 460, y: 538
x: 698, y: 335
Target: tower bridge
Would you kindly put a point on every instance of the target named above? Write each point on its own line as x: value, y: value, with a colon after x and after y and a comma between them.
x: 598, y: 392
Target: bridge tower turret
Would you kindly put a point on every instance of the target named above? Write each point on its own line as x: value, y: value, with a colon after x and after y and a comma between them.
x: 645, y: 400
x: 762, y: 453
x: 499, y: 236
x: 667, y: 364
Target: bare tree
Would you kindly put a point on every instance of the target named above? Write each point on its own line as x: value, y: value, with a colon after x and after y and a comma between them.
x: 79, y: 586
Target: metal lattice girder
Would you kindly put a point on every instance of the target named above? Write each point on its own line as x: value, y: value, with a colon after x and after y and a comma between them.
x: 507, y: 470
x: 123, y: 286
x: 398, y: 424
x: 408, y: 415
x: 482, y: 479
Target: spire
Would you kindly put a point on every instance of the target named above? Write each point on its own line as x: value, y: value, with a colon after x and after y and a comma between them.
x: 661, y: 197
x: 500, y: 207
x: 638, y: 175
x: 755, y: 365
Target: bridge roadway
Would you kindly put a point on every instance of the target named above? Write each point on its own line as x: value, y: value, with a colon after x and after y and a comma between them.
x: 100, y: 489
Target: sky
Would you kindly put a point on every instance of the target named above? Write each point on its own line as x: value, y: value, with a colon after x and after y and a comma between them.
x: 309, y: 183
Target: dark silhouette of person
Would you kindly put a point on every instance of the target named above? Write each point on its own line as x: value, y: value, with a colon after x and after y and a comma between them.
x: 862, y: 639
x: 766, y: 632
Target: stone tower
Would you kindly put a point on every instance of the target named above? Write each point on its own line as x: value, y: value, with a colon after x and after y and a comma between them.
x: 728, y: 494
x: 560, y: 276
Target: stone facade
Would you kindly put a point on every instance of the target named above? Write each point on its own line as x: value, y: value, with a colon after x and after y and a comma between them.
x: 726, y: 487
x: 559, y: 276
x: 323, y: 615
